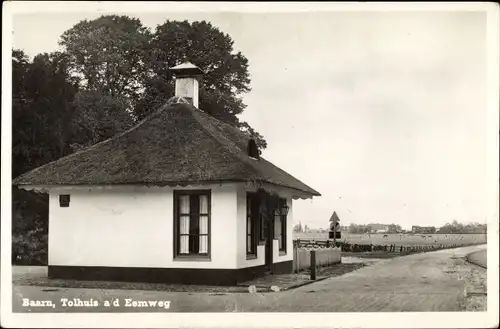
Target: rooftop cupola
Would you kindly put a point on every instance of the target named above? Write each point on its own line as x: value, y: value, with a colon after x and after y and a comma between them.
x: 187, y: 77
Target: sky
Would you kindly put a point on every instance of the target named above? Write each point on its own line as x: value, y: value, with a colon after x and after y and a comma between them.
x: 384, y: 113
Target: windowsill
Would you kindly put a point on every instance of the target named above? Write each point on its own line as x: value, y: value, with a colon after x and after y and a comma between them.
x: 250, y: 257
x: 282, y: 253
x: 192, y: 259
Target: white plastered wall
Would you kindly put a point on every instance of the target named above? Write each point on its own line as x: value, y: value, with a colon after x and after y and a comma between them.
x: 133, y: 227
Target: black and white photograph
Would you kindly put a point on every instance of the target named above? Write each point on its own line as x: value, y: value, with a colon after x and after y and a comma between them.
x: 245, y: 164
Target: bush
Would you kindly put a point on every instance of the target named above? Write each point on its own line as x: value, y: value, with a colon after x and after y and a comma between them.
x: 29, y: 228
x: 30, y: 248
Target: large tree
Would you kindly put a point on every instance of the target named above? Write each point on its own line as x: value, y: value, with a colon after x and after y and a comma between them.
x: 109, y: 54
x: 98, y: 117
x: 206, y: 46
x: 42, y: 110
x: 117, y: 57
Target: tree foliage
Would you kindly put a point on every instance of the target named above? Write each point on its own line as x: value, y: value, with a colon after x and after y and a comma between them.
x: 116, y: 56
x: 394, y: 228
x: 42, y: 110
x: 98, y: 117
x: 226, y: 71
x: 359, y: 229
x: 29, y: 227
x: 298, y: 228
x: 423, y: 230
x: 109, y: 54
x: 458, y: 228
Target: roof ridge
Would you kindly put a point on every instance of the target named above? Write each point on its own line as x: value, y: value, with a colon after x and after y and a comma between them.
x: 91, y: 147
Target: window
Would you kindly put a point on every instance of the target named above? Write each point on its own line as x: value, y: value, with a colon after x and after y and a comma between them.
x: 64, y: 200
x: 280, y: 228
x: 253, y: 150
x: 192, y: 223
x: 252, y: 220
x: 263, y: 223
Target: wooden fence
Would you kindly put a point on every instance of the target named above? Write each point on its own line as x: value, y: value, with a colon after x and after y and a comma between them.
x: 323, y: 257
x: 347, y: 247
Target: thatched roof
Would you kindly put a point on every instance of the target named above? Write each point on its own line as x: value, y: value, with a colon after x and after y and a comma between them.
x: 177, y: 145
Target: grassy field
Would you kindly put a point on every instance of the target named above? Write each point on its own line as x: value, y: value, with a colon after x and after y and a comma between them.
x: 478, y: 258
x: 399, y: 239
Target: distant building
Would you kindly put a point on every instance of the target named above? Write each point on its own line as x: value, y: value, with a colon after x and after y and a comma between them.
x: 377, y: 227
x: 423, y: 229
x: 381, y: 231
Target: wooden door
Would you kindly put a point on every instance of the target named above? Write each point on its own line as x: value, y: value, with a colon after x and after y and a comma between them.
x: 269, y: 236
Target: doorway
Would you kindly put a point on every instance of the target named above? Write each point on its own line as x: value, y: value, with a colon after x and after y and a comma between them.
x: 269, y: 236
x: 266, y: 228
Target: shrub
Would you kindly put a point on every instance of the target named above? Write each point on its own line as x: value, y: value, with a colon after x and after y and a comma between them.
x: 29, y: 228
x: 30, y: 248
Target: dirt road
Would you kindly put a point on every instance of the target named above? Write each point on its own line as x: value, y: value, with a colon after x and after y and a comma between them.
x: 431, y: 281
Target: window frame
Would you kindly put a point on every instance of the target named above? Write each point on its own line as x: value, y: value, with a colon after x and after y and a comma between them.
x: 177, y: 216
x: 253, y: 150
x: 283, y: 224
x: 255, y: 218
x: 64, y: 200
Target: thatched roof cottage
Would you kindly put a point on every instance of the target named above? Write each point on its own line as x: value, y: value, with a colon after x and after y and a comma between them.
x: 180, y: 197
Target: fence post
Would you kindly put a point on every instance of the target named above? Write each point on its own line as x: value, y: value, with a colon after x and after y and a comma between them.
x: 297, y: 258
x: 313, y: 264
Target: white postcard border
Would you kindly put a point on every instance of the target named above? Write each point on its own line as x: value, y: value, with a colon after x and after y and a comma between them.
x: 250, y: 320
